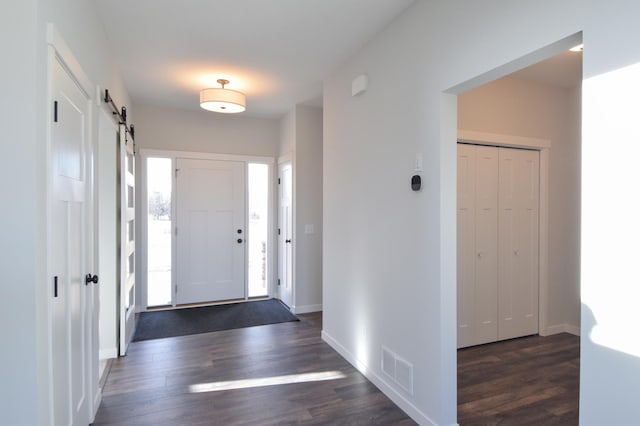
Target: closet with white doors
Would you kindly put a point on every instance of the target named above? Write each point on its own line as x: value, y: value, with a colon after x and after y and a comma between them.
x: 498, y: 209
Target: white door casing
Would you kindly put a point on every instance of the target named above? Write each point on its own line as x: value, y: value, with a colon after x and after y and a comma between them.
x: 518, y: 242
x: 285, y: 237
x: 71, y: 251
x: 127, y: 292
x: 210, y: 230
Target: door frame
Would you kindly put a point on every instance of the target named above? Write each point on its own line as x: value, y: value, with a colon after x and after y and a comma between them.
x: 543, y: 146
x: 141, y: 203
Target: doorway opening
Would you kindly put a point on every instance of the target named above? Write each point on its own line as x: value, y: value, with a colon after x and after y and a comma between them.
x: 538, y: 103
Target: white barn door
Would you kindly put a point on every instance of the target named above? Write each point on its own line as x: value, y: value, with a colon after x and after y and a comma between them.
x: 127, y: 240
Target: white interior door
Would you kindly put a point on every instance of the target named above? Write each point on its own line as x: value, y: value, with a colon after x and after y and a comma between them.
x: 518, y: 242
x: 210, y: 232
x: 71, y: 254
x: 285, y: 237
x: 127, y: 240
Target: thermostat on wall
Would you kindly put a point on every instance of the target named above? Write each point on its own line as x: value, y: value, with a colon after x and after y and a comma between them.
x: 416, y: 182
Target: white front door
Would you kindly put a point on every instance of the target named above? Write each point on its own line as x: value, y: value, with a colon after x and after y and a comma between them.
x: 127, y: 240
x: 210, y: 230
x: 285, y: 237
x: 71, y: 253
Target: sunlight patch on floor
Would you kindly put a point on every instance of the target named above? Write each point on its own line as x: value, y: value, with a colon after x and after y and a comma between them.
x: 266, y: 381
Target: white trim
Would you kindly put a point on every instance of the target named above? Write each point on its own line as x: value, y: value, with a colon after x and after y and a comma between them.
x: 561, y: 328
x: 380, y: 382
x: 286, y: 158
x: 97, y: 400
x: 66, y: 58
x: 542, y: 145
x: 150, y: 152
x: 108, y: 353
x: 510, y: 141
x: 305, y: 309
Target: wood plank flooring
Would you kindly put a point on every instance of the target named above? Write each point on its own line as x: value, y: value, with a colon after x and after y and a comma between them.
x: 151, y: 385
x: 528, y: 381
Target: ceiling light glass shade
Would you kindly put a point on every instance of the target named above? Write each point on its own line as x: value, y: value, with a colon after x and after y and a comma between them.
x: 222, y: 100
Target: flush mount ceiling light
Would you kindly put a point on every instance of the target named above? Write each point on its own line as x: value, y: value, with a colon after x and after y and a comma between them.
x: 222, y: 100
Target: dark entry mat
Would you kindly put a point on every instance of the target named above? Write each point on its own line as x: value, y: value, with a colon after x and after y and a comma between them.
x: 181, y: 322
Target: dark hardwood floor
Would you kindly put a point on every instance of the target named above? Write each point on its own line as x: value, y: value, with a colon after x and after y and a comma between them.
x: 528, y: 381
x: 151, y: 385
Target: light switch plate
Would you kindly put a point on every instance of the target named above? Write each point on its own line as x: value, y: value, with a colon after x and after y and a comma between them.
x: 418, y: 163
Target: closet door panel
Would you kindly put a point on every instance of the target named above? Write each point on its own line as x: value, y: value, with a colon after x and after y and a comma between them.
x: 466, y: 245
x: 518, y: 243
x: 477, y: 244
x: 486, y: 271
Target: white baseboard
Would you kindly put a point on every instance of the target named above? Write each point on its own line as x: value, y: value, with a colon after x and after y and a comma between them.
x: 379, y: 382
x: 108, y: 353
x: 97, y: 400
x: 573, y: 329
x: 306, y: 309
x: 561, y: 328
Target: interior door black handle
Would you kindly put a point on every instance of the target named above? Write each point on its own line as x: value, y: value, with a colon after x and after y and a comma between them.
x: 90, y: 279
x: 287, y: 241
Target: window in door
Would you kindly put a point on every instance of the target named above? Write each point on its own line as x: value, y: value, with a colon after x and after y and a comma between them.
x: 159, y: 185
x: 258, y: 220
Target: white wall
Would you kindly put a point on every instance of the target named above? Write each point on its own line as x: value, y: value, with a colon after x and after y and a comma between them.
x: 204, y: 131
x: 301, y: 136
x: 514, y: 107
x: 22, y: 260
x: 25, y: 368
x: 389, y: 254
x: 288, y: 133
x: 308, y: 210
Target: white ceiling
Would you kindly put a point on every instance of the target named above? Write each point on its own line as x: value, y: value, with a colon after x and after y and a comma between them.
x: 275, y: 51
x: 563, y: 70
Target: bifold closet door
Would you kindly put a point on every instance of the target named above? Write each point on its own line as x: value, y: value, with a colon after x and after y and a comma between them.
x: 518, y: 241
x: 477, y: 218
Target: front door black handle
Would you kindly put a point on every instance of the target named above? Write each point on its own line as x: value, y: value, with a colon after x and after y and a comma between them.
x: 90, y: 279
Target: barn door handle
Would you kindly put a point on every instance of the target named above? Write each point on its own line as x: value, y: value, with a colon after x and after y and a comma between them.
x: 90, y: 279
